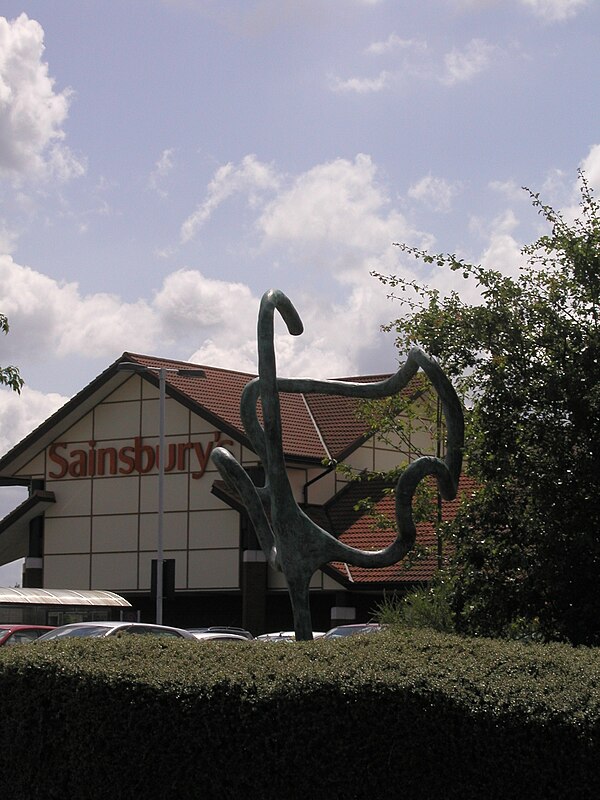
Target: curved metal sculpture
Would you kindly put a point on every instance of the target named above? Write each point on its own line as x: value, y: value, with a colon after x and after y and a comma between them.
x: 291, y: 541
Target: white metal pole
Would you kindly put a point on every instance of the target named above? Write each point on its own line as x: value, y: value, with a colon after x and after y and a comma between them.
x: 162, y: 374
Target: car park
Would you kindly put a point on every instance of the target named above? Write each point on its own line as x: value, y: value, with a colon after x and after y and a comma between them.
x: 223, y: 632
x: 105, y: 629
x: 356, y: 629
x: 21, y: 634
x: 285, y: 636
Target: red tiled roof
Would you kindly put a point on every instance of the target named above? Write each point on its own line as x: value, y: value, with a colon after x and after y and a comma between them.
x: 357, y: 529
x: 315, y: 426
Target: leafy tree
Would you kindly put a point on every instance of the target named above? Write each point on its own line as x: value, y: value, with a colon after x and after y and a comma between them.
x: 527, y: 544
x: 9, y: 376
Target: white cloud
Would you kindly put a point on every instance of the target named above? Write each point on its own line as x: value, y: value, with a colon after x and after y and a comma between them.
x: 32, y: 114
x: 361, y: 85
x: 22, y: 413
x: 555, y: 10
x: 334, y: 342
x: 163, y: 166
x: 511, y: 190
x: 502, y: 251
x: 571, y: 197
x: 49, y: 318
x: 53, y: 320
x: 435, y: 193
x: 463, y: 65
x: 591, y: 167
x: 417, y: 65
x: 333, y: 223
x: 251, y: 176
x: 338, y: 203
x: 189, y: 300
x: 394, y: 42
x: 8, y: 237
x: 11, y: 574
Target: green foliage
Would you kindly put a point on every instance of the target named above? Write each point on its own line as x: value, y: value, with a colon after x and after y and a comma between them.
x: 9, y: 376
x: 526, y: 546
x: 401, y: 421
x: 442, y: 715
x: 426, y: 607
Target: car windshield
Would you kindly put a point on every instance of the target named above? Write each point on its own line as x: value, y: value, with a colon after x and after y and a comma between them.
x: 140, y: 630
x: 23, y: 636
x: 81, y: 630
x: 350, y: 631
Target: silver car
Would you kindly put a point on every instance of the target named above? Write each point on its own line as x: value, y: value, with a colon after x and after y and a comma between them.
x: 223, y: 632
x: 103, y: 629
x: 353, y: 630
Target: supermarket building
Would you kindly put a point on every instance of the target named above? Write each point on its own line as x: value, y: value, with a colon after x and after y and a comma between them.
x: 90, y: 519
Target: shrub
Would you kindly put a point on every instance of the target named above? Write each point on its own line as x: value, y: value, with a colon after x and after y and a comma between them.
x: 409, y: 713
x: 426, y: 607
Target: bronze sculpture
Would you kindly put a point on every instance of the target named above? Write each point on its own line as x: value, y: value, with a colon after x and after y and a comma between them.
x: 291, y: 541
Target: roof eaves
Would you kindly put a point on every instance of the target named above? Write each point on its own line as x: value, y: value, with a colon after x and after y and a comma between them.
x: 356, y: 584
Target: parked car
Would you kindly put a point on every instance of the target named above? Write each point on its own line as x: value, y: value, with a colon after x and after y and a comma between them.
x: 22, y: 634
x: 225, y: 632
x: 214, y: 636
x: 102, y: 629
x: 353, y: 630
x: 285, y: 636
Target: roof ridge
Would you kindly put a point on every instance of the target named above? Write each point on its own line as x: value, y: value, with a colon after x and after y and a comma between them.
x: 181, y: 362
x: 314, y: 422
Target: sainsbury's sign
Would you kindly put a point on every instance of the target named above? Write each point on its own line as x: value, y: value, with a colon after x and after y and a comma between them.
x: 88, y: 462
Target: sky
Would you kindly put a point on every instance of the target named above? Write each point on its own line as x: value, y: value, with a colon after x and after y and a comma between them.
x: 165, y: 162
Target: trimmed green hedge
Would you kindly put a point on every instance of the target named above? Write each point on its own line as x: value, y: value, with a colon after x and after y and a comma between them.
x: 403, y: 714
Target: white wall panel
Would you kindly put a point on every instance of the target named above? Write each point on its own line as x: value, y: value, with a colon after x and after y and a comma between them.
x: 67, y: 535
x: 201, y: 497
x: 177, y: 418
x: 117, y: 571
x: 35, y: 468
x: 116, y: 495
x: 174, y: 531
x: 67, y: 572
x: 214, y: 569
x: 210, y: 529
x: 81, y: 431
x: 175, y: 492
x: 130, y: 390
x: 116, y: 420
x: 114, y: 533
x: 73, y: 498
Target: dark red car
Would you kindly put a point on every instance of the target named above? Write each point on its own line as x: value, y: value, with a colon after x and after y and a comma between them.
x: 22, y: 634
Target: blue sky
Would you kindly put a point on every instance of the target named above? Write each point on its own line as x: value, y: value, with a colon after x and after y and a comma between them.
x: 164, y: 162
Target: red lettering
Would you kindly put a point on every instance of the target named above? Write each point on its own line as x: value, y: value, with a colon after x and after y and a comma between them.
x: 182, y: 449
x: 140, y: 458
x: 62, y: 462
x: 78, y: 465
x: 126, y: 459
x: 103, y: 452
x: 203, y: 455
x: 91, y: 459
x: 171, y: 459
x: 141, y: 450
x: 202, y: 458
